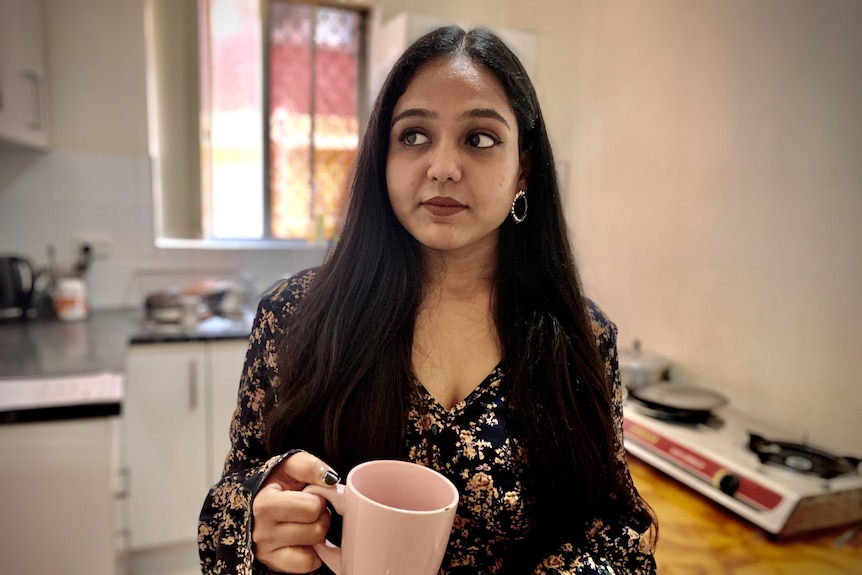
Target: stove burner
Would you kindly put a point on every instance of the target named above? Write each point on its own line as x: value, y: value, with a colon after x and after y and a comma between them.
x: 802, y: 458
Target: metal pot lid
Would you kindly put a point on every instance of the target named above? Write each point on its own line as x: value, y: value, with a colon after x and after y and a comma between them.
x: 636, y: 358
x: 679, y: 396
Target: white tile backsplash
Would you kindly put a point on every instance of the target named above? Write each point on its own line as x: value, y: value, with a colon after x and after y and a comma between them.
x: 54, y: 198
x: 23, y: 178
x: 23, y: 223
x: 91, y: 178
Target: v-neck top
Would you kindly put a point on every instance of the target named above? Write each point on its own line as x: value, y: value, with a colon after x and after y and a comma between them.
x: 469, y: 443
x: 423, y: 391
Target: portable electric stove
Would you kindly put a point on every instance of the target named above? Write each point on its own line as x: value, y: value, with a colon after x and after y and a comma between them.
x: 750, y: 468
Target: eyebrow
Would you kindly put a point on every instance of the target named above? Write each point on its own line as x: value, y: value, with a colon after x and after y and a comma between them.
x: 487, y: 113
x: 474, y: 113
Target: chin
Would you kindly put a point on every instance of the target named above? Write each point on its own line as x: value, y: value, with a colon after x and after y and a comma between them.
x: 440, y: 246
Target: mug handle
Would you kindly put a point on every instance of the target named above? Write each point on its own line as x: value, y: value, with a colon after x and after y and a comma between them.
x: 328, y: 552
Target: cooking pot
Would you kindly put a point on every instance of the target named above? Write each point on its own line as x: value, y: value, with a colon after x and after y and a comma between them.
x: 638, y: 367
x: 17, y: 279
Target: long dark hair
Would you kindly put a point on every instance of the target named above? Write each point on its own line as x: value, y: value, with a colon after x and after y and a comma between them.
x: 345, y: 365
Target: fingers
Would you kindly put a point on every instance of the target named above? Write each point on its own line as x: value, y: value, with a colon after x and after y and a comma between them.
x: 287, y: 521
x: 286, y: 547
x: 299, y: 470
x: 275, y: 505
x: 306, y: 468
x: 292, y: 560
x: 295, y: 534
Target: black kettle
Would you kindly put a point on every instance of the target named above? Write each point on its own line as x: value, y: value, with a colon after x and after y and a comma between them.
x: 17, y: 281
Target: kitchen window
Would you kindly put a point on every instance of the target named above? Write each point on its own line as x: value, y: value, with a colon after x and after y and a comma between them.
x: 256, y: 136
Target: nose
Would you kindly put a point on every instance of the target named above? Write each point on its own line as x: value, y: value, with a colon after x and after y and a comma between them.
x: 445, y: 163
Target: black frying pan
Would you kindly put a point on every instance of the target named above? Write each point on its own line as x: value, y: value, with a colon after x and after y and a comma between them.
x: 677, y: 401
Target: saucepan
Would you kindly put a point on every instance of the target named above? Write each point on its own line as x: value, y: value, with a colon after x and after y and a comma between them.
x: 638, y: 367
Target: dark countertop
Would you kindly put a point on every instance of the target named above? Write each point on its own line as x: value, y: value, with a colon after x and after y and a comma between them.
x: 206, y: 330
x: 99, y: 343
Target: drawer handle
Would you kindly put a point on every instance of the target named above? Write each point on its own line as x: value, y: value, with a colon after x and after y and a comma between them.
x: 193, y: 384
x: 123, y: 479
x: 36, y: 99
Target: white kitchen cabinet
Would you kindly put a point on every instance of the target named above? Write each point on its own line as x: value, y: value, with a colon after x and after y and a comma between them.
x: 58, y: 497
x: 23, y: 87
x: 165, y: 441
x: 225, y: 359
x: 176, y: 415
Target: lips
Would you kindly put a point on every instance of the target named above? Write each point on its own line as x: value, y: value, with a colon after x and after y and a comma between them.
x: 443, y: 206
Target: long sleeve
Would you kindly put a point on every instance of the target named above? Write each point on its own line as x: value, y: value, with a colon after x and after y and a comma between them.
x: 224, y: 531
x: 613, y: 549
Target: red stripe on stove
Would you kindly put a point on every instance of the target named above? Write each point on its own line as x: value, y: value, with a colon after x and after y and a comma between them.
x: 709, y: 471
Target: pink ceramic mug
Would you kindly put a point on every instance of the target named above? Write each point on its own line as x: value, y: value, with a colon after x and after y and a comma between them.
x: 397, y: 519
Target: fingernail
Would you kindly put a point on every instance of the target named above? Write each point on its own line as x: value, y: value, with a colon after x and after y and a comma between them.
x: 330, y: 477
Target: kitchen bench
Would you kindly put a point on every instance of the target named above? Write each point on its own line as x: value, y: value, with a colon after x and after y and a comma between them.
x: 172, y: 430
x: 38, y: 348
x: 697, y: 536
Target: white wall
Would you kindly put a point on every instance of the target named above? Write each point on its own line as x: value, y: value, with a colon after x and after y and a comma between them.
x: 714, y: 187
x: 717, y: 196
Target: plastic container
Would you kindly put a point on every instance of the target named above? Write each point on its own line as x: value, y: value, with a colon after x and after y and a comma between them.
x: 70, y: 299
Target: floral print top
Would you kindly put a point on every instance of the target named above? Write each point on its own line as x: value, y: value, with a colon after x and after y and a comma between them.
x: 468, y: 443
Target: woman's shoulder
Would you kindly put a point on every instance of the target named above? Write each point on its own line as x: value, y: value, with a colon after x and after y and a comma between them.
x: 287, y: 291
x: 603, y: 328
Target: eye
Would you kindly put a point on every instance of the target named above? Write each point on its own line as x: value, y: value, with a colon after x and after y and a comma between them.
x: 414, y: 138
x: 480, y: 140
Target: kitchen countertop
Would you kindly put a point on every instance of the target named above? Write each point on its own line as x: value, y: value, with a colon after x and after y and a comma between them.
x: 38, y: 348
x: 697, y: 536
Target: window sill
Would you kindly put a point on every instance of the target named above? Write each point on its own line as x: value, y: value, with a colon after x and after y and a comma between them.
x: 240, y: 244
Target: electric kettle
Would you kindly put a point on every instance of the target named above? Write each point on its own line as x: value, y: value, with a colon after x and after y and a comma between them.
x: 17, y: 280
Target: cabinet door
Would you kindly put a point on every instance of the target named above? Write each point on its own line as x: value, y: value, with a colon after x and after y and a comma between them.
x: 57, y: 497
x: 23, y: 90
x: 165, y: 416
x: 226, y: 361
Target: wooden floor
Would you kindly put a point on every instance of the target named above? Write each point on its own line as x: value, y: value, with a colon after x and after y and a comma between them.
x: 697, y: 536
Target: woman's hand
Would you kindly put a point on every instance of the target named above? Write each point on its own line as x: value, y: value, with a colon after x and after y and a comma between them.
x: 287, y: 521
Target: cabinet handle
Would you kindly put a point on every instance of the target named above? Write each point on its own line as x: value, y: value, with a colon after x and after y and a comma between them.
x: 124, y: 539
x: 123, y: 479
x: 36, y: 92
x: 193, y: 384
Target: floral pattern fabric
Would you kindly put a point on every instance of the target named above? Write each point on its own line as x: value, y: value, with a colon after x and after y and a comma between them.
x: 468, y: 443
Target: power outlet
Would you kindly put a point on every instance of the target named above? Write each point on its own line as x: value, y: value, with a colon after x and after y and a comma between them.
x: 101, y: 245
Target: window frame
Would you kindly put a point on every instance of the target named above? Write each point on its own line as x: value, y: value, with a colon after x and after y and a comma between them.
x: 361, y: 90
x: 174, y: 123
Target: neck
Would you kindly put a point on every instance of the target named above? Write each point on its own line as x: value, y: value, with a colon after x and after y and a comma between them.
x: 460, y: 275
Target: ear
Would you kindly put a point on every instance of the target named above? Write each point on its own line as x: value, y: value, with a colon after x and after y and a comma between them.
x: 526, y: 165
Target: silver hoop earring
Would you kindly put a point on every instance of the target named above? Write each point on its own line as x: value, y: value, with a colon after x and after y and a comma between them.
x: 522, y: 194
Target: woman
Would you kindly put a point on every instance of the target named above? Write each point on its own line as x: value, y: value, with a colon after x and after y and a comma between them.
x: 447, y: 328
